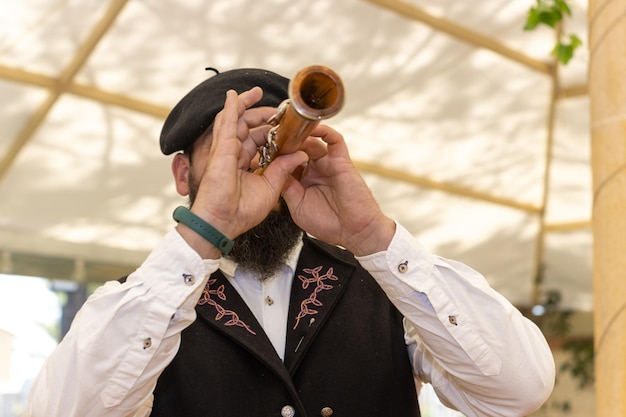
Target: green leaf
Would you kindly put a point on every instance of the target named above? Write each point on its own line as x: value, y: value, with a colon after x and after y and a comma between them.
x: 532, y: 20
x: 542, y: 14
x: 550, y: 13
x: 575, y: 41
x: 550, y: 16
x: 563, y: 6
x: 563, y: 52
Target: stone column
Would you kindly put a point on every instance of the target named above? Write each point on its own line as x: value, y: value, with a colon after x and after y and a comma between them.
x: 607, y: 94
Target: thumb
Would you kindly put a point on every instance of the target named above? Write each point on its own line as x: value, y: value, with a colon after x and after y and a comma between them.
x: 279, y: 171
x: 293, y: 192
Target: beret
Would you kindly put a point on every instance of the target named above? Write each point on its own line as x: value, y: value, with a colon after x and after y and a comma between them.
x: 196, y: 111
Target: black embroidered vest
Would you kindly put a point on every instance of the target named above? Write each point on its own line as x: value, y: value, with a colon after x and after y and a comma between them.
x: 345, y: 352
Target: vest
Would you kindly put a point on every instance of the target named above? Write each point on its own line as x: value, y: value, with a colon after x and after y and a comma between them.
x: 345, y: 352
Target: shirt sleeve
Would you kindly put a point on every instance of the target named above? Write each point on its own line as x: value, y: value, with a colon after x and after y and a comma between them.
x: 126, y: 333
x: 481, y: 355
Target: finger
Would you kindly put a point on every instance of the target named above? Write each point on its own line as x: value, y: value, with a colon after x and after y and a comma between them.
x: 334, y: 139
x: 249, y: 98
x: 234, y: 110
x: 293, y: 193
x: 279, y: 171
x: 226, y: 121
x: 253, y: 126
x: 256, y: 137
x: 253, y: 130
x: 315, y: 148
x: 255, y: 117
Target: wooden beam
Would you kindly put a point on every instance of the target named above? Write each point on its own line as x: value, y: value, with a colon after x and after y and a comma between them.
x: 85, y: 91
x: 26, y: 77
x: 24, y: 136
x: 87, y: 47
x: 537, y: 283
x: 568, y: 226
x: 574, y: 91
x: 444, y: 186
x: 59, y: 85
x: 119, y: 100
x: 463, y: 34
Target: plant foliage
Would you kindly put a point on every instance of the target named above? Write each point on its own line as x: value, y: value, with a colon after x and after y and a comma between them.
x: 579, y: 364
x: 551, y: 13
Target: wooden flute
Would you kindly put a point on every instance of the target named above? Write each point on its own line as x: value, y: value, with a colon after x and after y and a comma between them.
x: 315, y: 93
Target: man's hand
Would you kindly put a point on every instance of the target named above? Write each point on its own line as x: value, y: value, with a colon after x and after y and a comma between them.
x: 231, y: 197
x: 331, y: 201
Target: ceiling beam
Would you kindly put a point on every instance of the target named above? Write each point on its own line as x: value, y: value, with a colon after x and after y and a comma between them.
x: 550, y: 68
x: 85, y: 91
x: 573, y: 91
x: 119, y: 100
x: 463, y: 34
x: 450, y: 188
x: 27, y: 77
x: 60, y: 85
x: 568, y: 226
x: 161, y: 112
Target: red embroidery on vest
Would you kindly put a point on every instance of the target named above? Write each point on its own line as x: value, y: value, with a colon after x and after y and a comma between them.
x: 320, y: 286
x: 221, y: 311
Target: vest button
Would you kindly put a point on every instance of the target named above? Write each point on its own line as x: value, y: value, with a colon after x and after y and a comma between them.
x: 326, y: 412
x: 287, y: 411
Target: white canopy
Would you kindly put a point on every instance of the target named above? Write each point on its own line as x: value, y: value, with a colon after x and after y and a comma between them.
x: 466, y: 130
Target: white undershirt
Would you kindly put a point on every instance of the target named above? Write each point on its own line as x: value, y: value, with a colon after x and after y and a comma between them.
x: 268, y: 299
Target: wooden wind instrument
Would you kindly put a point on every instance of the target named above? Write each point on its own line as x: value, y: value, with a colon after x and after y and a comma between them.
x: 315, y: 93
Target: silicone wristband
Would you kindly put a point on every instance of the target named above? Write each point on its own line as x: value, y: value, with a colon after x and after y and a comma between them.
x: 208, y: 232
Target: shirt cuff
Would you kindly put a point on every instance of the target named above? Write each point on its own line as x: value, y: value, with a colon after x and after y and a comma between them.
x: 174, y: 269
x: 396, y: 268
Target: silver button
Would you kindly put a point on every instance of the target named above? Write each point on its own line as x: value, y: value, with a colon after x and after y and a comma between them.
x: 326, y: 412
x: 189, y: 279
x: 269, y: 300
x: 403, y: 267
x: 147, y: 343
x: 288, y: 411
x: 452, y: 320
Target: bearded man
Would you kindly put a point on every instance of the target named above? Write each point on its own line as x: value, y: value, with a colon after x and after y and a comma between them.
x: 287, y: 294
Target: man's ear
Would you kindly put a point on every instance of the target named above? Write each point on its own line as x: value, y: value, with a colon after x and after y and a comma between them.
x: 180, y: 170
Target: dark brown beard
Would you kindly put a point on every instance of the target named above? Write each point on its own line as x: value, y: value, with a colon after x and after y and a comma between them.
x: 264, y: 249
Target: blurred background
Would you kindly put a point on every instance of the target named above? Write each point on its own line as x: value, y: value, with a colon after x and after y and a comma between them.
x: 467, y: 129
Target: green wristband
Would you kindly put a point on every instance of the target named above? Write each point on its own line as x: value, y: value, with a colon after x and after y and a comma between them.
x: 208, y: 232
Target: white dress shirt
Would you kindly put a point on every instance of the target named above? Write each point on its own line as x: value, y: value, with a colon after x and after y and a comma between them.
x: 480, y: 354
x: 269, y: 299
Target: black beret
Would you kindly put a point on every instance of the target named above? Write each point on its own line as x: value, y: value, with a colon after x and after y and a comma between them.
x: 197, y: 110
